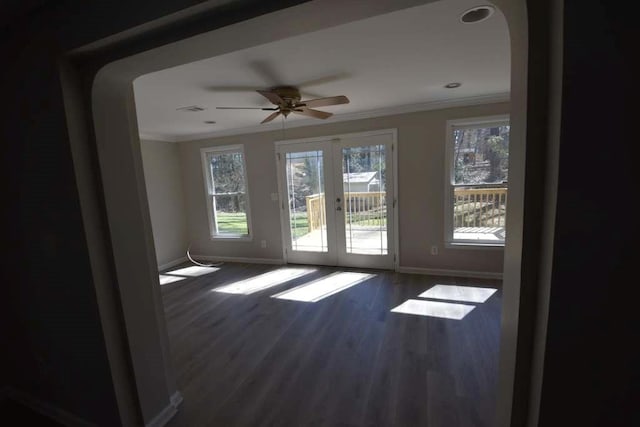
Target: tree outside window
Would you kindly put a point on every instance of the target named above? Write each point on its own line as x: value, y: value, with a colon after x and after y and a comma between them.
x: 479, y: 174
x: 227, y: 199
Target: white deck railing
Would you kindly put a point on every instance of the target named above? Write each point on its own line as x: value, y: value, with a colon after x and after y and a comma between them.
x: 479, y: 207
x: 363, y: 208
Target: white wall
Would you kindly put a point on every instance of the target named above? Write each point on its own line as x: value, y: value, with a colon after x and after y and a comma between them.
x: 163, y: 181
x: 421, y: 174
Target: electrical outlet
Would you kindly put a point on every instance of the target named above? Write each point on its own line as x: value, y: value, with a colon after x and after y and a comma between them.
x: 263, y: 243
x: 434, y: 250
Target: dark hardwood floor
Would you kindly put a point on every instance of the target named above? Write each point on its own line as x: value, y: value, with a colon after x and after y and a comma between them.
x: 17, y: 414
x: 346, y: 360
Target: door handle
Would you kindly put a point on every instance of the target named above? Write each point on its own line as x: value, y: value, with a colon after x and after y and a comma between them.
x: 338, y: 208
x: 338, y: 200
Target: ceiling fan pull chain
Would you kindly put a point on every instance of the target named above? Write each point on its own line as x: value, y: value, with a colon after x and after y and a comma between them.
x: 283, y: 127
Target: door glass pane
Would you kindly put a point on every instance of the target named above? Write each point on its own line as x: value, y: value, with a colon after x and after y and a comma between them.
x: 364, y: 205
x: 307, y: 214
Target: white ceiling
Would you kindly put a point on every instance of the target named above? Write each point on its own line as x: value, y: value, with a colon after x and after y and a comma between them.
x: 389, y: 63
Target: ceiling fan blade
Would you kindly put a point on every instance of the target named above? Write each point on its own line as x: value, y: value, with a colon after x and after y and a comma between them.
x: 246, y: 108
x: 266, y: 71
x: 311, y: 95
x: 274, y: 98
x: 270, y: 117
x: 323, y: 102
x: 316, y: 114
x: 232, y: 88
x: 324, y: 80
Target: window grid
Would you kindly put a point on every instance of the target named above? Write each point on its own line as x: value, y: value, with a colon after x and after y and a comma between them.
x: 476, y: 189
x: 224, y: 170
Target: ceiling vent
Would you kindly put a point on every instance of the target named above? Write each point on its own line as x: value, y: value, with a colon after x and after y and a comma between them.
x: 191, y: 108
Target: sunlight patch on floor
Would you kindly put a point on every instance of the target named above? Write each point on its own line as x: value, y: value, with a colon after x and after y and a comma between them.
x: 322, y: 288
x: 264, y: 281
x: 458, y: 293
x: 164, y: 279
x: 193, y: 271
x: 444, y: 310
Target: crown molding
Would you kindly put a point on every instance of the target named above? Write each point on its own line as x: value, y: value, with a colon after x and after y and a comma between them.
x: 157, y: 137
x: 390, y: 111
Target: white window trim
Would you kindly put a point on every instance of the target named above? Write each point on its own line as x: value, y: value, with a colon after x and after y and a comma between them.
x: 449, y: 242
x: 208, y: 192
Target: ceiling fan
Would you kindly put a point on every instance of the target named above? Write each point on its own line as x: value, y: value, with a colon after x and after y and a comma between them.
x: 287, y: 100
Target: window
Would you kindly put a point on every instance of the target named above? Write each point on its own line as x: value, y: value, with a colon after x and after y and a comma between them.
x: 477, y: 177
x: 226, y: 190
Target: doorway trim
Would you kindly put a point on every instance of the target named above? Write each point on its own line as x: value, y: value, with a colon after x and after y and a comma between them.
x: 83, y: 67
x: 393, y: 132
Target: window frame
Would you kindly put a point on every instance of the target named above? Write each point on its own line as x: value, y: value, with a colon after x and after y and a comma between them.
x: 449, y: 181
x: 210, y: 196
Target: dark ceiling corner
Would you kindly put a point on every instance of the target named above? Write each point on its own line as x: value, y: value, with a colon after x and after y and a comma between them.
x: 10, y: 10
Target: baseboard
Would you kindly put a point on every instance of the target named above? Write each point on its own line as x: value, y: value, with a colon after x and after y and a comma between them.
x: 455, y: 273
x: 277, y: 261
x: 173, y: 263
x: 167, y: 413
x: 163, y: 417
x: 45, y: 408
x: 176, y: 399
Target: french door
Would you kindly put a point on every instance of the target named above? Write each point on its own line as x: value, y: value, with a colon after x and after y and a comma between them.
x: 338, y: 200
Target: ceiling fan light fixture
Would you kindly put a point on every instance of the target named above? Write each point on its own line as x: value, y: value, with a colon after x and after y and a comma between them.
x: 452, y: 85
x: 477, y: 14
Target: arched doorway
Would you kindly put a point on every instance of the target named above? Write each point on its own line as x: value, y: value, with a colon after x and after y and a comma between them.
x: 118, y: 153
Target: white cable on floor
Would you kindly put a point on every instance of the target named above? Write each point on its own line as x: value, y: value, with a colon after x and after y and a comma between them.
x: 218, y: 264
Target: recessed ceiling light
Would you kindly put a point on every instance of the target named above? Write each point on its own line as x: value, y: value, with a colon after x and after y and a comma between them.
x: 477, y: 14
x: 210, y: 122
x: 453, y: 85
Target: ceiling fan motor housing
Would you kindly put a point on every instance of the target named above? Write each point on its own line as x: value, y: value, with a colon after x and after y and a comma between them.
x: 289, y: 94
x: 287, y: 100
x: 291, y: 97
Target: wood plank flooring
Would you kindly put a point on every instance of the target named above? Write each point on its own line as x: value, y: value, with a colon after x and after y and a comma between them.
x: 346, y: 360
x: 15, y: 413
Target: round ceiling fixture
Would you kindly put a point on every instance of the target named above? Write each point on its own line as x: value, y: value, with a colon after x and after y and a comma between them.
x: 477, y: 14
x: 453, y: 85
x: 210, y: 122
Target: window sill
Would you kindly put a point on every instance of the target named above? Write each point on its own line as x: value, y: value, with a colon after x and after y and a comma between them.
x: 472, y: 245
x: 232, y: 237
